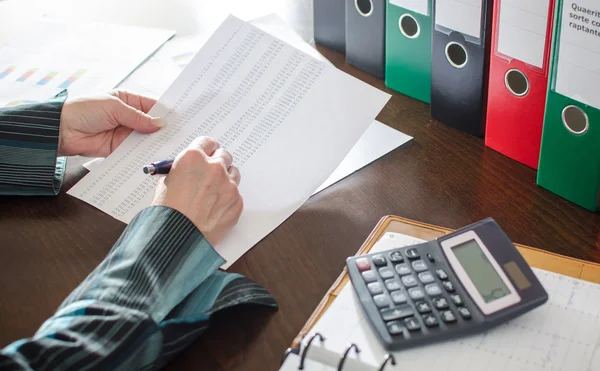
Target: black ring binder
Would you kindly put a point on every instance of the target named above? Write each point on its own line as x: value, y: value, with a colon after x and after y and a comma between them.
x: 343, y: 359
x: 301, y: 366
x: 388, y: 358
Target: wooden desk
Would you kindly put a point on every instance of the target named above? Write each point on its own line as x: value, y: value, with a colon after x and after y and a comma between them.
x: 443, y: 177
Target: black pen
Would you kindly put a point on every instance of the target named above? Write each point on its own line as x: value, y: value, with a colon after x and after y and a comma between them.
x: 160, y: 167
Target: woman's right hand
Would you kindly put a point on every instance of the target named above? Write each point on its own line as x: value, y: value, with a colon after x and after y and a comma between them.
x: 203, y: 186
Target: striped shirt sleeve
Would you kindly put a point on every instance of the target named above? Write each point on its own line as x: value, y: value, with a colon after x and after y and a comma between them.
x: 151, y: 297
x: 28, y: 148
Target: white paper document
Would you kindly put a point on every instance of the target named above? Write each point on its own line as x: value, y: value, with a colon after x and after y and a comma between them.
x: 287, y: 118
x: 578, y: 72
x: 86, y: 58
x: 378, y: 140
x: 522, y: 31
x: 463, y: 16
x: 561, y: 335
x: 417, y: 6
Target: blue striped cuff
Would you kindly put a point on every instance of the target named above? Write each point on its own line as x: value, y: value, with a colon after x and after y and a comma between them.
x: 29, y: 136
x: 160, y: 258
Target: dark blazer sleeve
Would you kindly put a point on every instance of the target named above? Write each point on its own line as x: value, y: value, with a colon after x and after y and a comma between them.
x: 29, y: 136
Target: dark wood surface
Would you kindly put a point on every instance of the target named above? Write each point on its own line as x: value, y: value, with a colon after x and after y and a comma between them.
x: 442, y: 177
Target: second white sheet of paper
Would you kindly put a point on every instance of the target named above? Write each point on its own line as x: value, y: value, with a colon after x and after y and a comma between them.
x: 287, y: 118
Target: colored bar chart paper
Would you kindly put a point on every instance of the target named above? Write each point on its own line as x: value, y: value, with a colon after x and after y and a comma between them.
x: 68, y: 82
x: 27, y: 75
x: 7, y: 71
x: 183, y: 59
x: 46, y: 79
x: 18, y: 102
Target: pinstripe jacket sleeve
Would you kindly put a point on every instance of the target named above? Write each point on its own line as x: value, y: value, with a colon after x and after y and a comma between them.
x: 28, y: 146
x: 151, y: 296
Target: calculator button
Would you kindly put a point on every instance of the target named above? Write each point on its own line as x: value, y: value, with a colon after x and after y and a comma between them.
x: 398, y: 297
x: 441, y: 274
x: 396, y: 313
x: 456, y: 299
x: 375, y: 288
x: 425, y: 277
x: 393, y: 284
x: 379, y: 260
x: 440, y: 303
x: 409, y: 281
x: 423, y: 307
x: 396, y: 257
x: 448, y: 316
x: 412, y: 324
x: 431, y: 258
x: 369, y: 276
x: 430, y: 320
x: 464, y: 312
x: 403, y: 269
x: 395, y: 328
x: 386, y: 272
x: 419, y: 265
x: 433, y: 289
x: 448, y: 286
x: 363, y: 264
x: 381, y: 300
x: 416, y: 293
x: 412, y: 253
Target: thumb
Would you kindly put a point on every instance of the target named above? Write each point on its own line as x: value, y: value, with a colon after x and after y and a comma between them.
x: 138, y: 120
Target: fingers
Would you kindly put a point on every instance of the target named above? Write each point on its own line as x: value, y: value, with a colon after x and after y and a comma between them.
x: 224, y: 156
x: 213, y: 149
x: 235, y: 175
x: 207, y: 145
x: 137, y: 101
x: 135, y: 119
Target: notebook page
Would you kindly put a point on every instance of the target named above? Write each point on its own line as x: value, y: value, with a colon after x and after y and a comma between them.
x: 563, y: 334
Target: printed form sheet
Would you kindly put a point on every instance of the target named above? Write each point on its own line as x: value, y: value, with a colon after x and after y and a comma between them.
x: 287, y: 118
x: 560, y: 335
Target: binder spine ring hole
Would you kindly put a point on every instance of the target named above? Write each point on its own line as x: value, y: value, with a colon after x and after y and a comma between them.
x: 409, y: 26
x: 456, y: 54
x: 575, y: 120
x: 364, y: 7
x: 516, y: 82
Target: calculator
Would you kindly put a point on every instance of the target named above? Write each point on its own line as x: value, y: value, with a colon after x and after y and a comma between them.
x: 463, y: 283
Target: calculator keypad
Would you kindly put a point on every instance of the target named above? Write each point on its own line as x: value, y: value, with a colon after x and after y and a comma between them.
x: 375, y: 288
x: 386, y: 272
x: 398, y: 297
x: 403, y: 269
x: 409, y: 281
x: 409, y: 295
x: 393, y: 284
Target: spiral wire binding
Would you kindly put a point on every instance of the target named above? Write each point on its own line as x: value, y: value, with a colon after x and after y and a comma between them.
x: 305, y: 350
x: 343, y: 359
x: 388, y: 358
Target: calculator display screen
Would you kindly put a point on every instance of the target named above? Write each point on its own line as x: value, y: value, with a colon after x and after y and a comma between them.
x: 487, y: 281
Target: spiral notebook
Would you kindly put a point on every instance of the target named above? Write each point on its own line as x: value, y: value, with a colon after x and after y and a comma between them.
x: 563, y: 334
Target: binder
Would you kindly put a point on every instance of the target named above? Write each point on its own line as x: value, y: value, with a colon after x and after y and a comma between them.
x: 459, y: 63
x: 518, y: 81
x: 408, y: 48
x: 330, y: 23
x: 301, y: 345
x: 365, y: 35
x: 570, y: 153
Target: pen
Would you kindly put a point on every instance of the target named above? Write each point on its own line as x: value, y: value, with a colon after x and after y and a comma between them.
x: 160, y: 167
